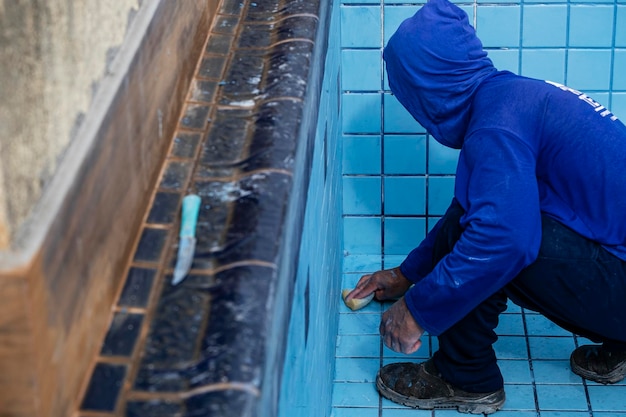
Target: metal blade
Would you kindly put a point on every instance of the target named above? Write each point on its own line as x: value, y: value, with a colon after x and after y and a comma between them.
x: 186, y: 249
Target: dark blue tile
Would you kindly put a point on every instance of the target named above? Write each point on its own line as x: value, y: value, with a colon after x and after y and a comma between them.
x: 176, y: 175
x: 164, y: 208
x: 153, y: 408
x: 122, y: 335
x: 137, y: 288
x: 196, y: 116
x: 221, y: 404
x: 104, y: 387
x: 151, y: 245
x: 185, y: 144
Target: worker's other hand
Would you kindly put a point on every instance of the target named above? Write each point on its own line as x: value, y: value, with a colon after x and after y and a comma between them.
x: 388, y: 284
x: 399, y: 330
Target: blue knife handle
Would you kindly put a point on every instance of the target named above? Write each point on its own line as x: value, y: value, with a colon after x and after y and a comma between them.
x: 191, y: 208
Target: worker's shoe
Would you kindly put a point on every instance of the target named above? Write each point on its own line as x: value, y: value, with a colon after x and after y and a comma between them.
x: 421, y: 386
x: 597, y: 364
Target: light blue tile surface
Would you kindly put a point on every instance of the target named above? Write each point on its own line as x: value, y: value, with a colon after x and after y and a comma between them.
x: 403, y: 234
x: 360, y: 17
x: 619, y: 70
x: 582, y: 17
x: 405, y: 154
x: 397, y: 118
x: 362, y: 235
x: 440, y: 193
x: 569, y: 42
x: 552, y: 19
x: 505, y: 59
x: 441, y: 159
x: 361, y: 113
x: 562, y: 397
x: 405, y: 195
x: 361, y: 70
x: 361, y: 195
x: 589, y: 69
x: 361, y: 155
x: 498, y: 26
x: 544, y: 64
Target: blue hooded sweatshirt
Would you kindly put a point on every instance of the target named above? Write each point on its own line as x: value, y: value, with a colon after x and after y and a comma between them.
x: 527, y: 147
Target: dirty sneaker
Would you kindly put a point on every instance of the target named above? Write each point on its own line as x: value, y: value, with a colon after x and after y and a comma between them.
x: 597, y: 364
x: 421, y: 386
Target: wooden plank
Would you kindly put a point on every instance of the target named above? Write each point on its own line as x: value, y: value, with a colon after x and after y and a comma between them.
x: 56, y: 302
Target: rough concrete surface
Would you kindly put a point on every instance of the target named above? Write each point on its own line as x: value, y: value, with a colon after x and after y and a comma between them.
x: 52, y: 54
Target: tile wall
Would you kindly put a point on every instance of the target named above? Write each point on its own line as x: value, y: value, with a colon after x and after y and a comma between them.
x: 398, y: 181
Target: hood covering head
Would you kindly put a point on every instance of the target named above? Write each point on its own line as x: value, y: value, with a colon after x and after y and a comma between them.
x: 435, y: 62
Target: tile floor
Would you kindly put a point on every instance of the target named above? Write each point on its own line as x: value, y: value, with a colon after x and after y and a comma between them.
x: 533, y: 356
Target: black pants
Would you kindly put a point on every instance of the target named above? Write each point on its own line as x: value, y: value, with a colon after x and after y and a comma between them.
x: 574, y: 282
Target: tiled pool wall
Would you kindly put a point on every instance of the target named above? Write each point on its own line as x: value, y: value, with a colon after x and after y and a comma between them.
x: 395, y: 183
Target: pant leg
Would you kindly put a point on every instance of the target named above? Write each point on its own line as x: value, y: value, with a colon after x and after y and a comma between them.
x: 466, y: 357
x: 577, y: 284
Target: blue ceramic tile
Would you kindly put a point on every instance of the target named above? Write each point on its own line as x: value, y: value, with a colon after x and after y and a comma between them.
x: 554, y: 372
x: 619, y: 70
x: 441, y: 159
x: 394, y: 16
x: 361, y: 70
x: 358, y: 324
x: 122, y: 334
x: 137, y: 287
x: 405, y: 412
x: 469, y: 10
x: 362, y: 263
x: 519, y: 397
x: 348, y: 394
x: 510, y: 325
x: 620, y: 27
x: 440, y: 193
x: 104, y: 387
x: 552, y: 19
x: 562, y: 397
x: 358, y: 346
x: 566, y: 414
x: 402, y: 235
x: 602, y: 98
x: 551, y: 347
x: 361, y: 155
x: 498, y: 26
x: 618, y: 105
x: 361, y: 195
x: 591, y: 26
x: 362, y: 235
x: 405, y: 195
x: 505, y: 59
x: 544, y: 64
x: 538, y: 325
x: 361, y: 113
x: 405, y: 154
x: 356, y: 369
x: 607, y: 397
x: 360, y: 1
x: 349, y: 412
x: 392, y: 261
x: 397, y: 119
x: 606, y: 414
x: 353, y: 20
x: 589, y: 69
x: 515, y: 372
x: 511, y: 347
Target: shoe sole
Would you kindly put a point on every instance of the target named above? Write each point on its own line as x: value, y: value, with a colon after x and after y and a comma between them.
x: 612, y: 377
x: 485, y: 405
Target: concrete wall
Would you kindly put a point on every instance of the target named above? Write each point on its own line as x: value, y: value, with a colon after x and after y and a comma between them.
x: 52, y: 54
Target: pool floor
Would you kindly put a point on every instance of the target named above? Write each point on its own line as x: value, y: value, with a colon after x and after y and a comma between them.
x: 533, y: 355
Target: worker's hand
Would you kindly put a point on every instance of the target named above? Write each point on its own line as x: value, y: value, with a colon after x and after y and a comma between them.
x: 388, y: 284
x: 400, y: 332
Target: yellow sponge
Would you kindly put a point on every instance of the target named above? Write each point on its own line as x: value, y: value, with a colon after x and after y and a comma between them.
x: 356, y: 303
